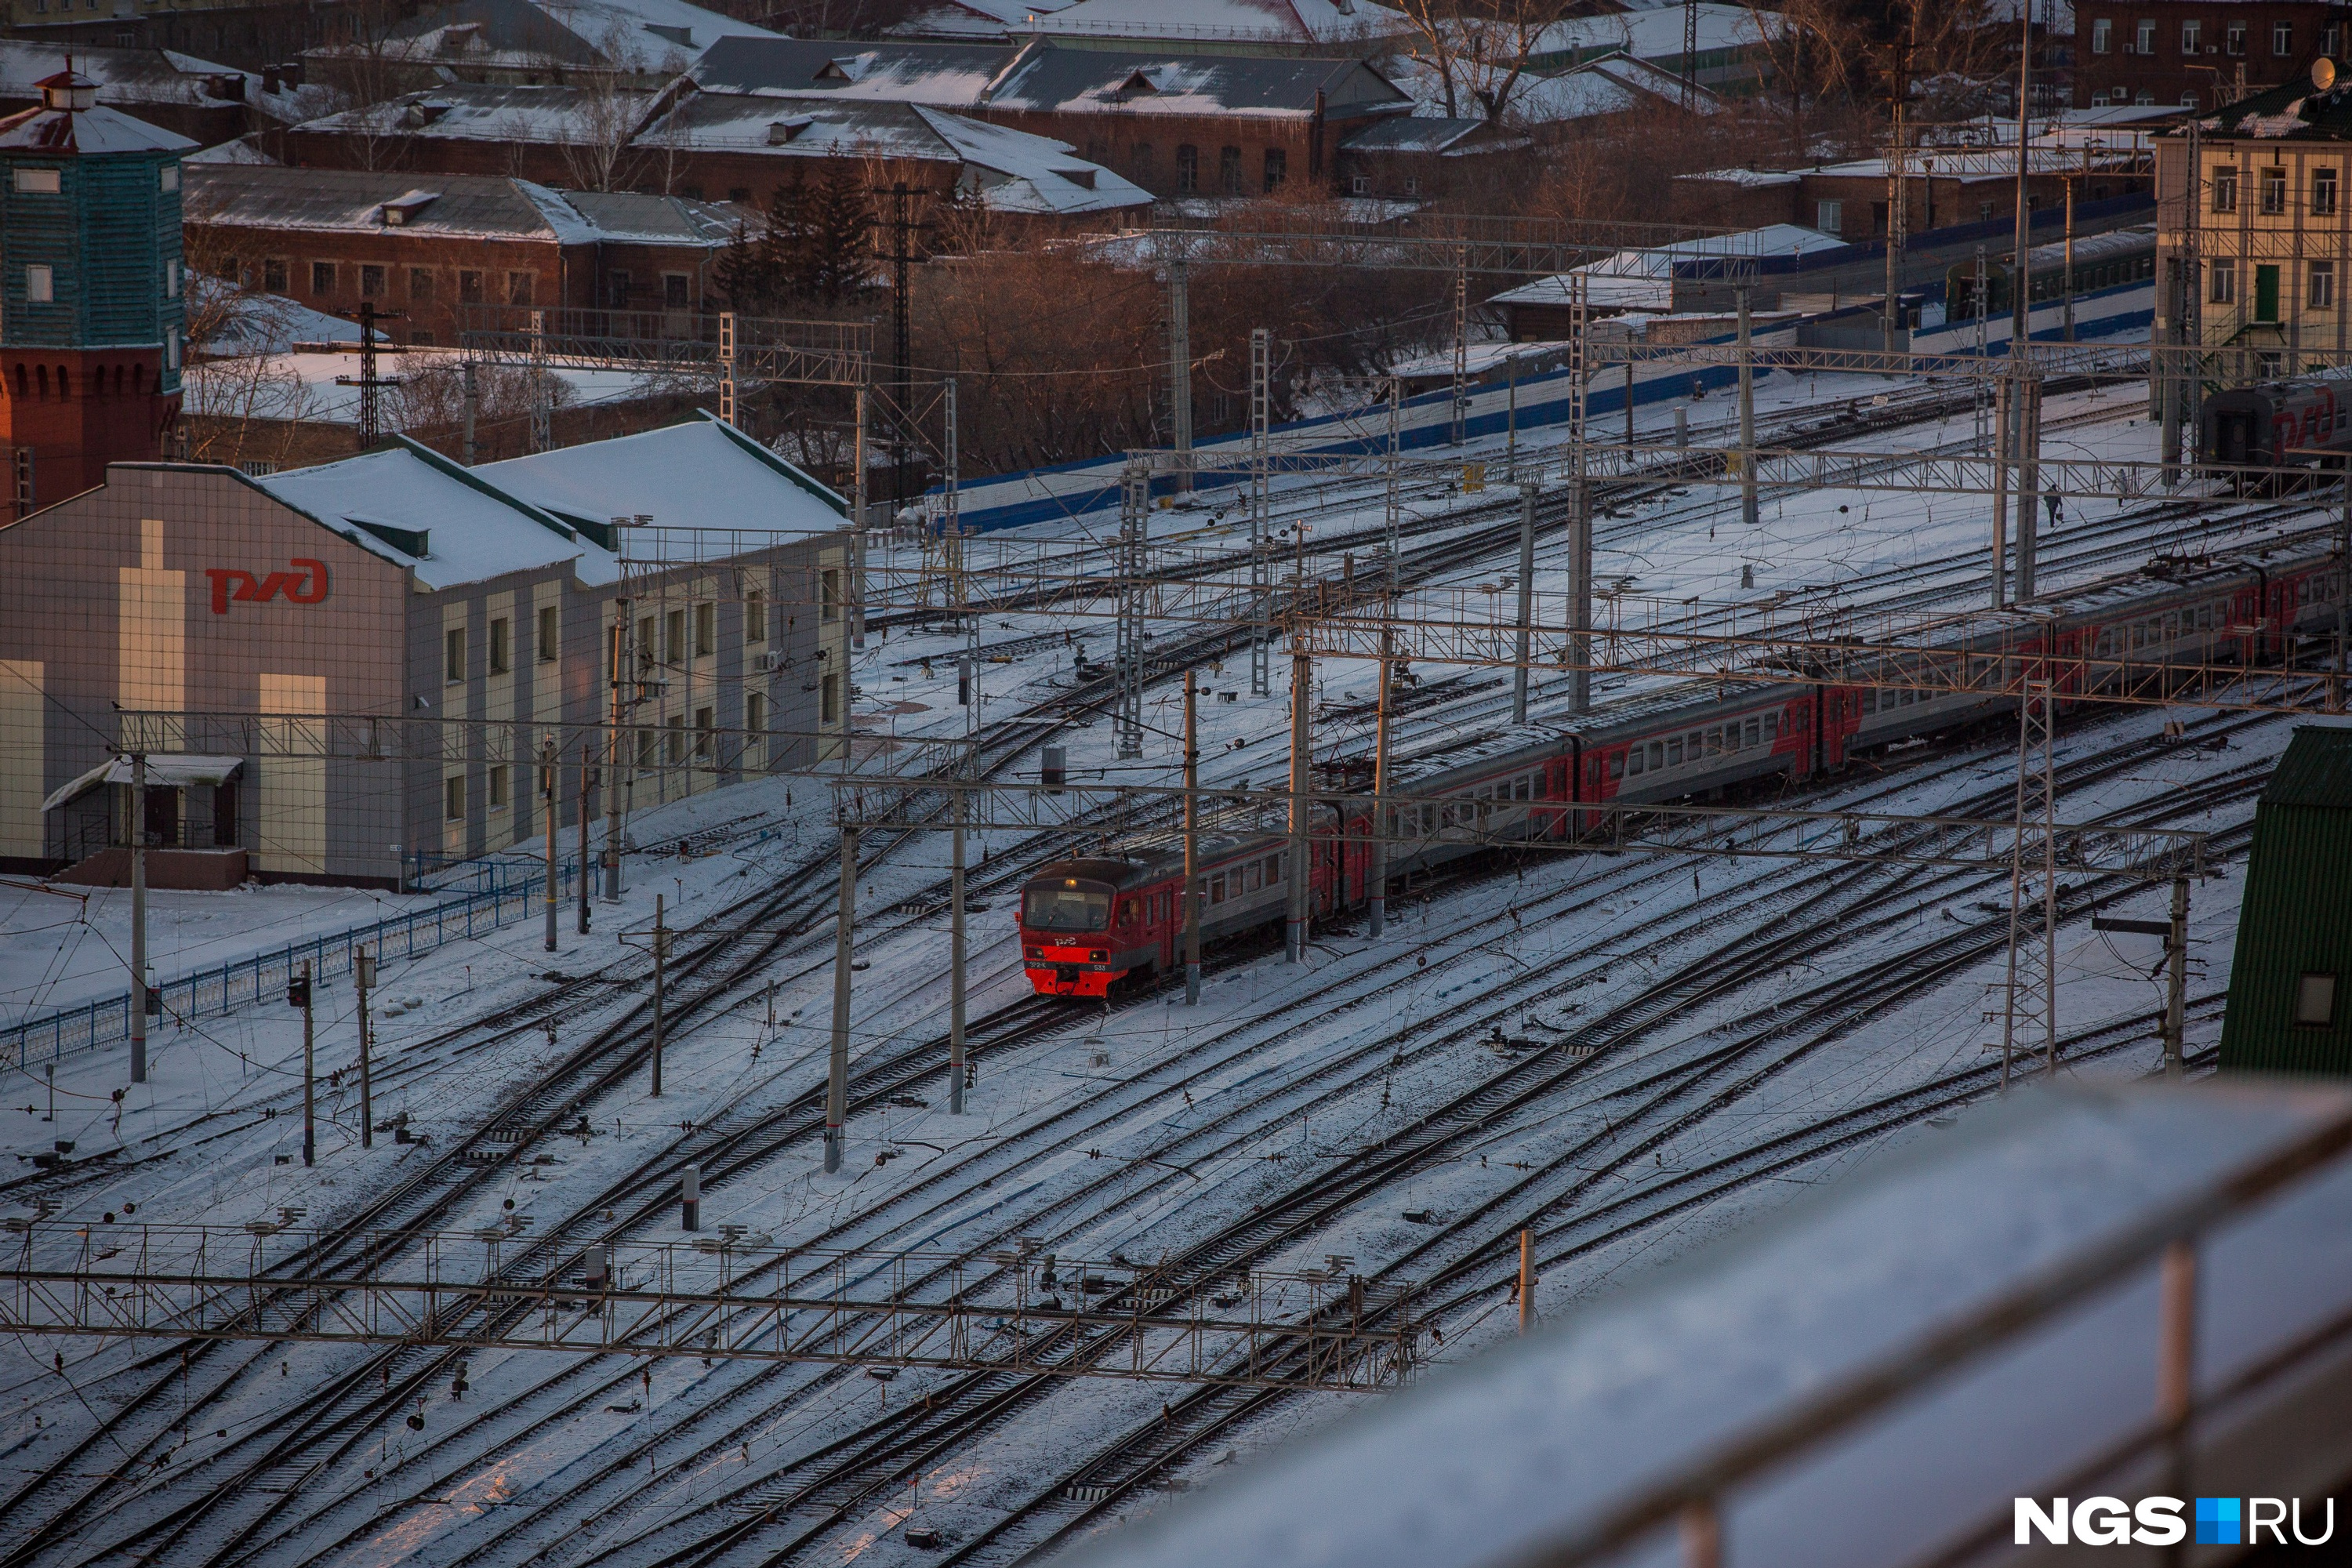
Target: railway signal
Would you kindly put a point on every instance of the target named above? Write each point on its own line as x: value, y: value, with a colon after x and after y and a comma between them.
x: 298, y: 994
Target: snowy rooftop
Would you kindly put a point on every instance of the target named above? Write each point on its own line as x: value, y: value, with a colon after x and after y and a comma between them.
x: 992, y: 19
x: 1046, y: 79
x: 98, y: 130
x: 128, y: 78
x: 266, y: 196
x: 1515, y: 1454
x: 699, y: 474
x: 646, y: 36
x: 946, y: 75
x: 471, y: 532
x: 1657, y: 35
x: 1643, y: 278
x: 1293, y: 22
x: 497, y: 112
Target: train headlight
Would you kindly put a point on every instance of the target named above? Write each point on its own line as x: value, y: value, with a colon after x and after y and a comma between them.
x: 1098, y: 955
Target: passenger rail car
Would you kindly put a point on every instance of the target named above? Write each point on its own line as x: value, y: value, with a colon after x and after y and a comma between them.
x: 1088, y: 925
x: 2299, y: 421
x: 2116, y: 259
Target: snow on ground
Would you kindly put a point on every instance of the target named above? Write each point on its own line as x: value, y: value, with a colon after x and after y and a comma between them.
x: 1140, y: 1130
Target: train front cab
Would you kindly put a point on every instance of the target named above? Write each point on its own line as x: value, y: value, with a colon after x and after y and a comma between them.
x: 1065, y: 935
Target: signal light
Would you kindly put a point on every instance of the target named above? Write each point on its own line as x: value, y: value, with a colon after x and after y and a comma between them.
x: 298, y: 992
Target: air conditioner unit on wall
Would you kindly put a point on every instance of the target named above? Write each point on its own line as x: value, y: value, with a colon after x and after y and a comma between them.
x: 769, y: 662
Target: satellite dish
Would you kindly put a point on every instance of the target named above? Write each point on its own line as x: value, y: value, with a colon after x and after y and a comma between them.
x: 2322, y: 73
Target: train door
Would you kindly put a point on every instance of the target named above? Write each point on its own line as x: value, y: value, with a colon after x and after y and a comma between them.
x: 2234, y: 435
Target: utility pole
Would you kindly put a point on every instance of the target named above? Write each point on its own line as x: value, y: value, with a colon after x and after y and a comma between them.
x: 1393, y: 533
x: 2021, y: 270
x: 1527, y: 600
x: 1898, y: 190
x: 364, y: 978
x: 1579, y: 493
x: 2175, y: 984
x: 859, y: 500
x: 1134, y: 561
x: 661, y: 953
x: 836, y: 1077
x: 2336, y: 671
x: 1260, y: 562
x: 2027, y: 401
x: 1302, y: 676
x: 298, y: 992
x: 1526, y: 1280
x: 139, y: 917
x: 2070, y: 258
x: 902, y: 385
x: 1749, y: 514
x: 2004, y: 394
x: 1376, y: 888
x: 955, y: 966
x: 623, y: 674
x: 1461, y: 342
x: 543, y: 406
x: 587, y: 782
x: 1180, y: 369
x: 371, y: 384
x: 727, y: 367
x: 554, y: 799
x: 1192, y: 848
x: 1690, y: 56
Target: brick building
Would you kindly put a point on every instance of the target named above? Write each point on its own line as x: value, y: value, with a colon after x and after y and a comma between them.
x: 336, y: 239
x: 2198, y: 53
x: 643, y: 43
x: 398, y: 583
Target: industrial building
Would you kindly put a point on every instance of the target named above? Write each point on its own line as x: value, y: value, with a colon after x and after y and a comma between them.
x: 399, y: 583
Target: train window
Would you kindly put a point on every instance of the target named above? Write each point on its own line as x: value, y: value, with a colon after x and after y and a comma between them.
x: 1617, y: 765
x: 1273, y: 869
x: 1526, y: 790
x: 1752, y: 733
x: 1634, y: 756
x: 1771, y: 728
x: 1067, y: 908
x: 1253, y: 877
x: 1217, y: 889
x: 1658, y: 755
x: 1673, y: 751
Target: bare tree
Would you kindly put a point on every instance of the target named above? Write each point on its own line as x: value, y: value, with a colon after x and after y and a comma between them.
x: 1476, y: 53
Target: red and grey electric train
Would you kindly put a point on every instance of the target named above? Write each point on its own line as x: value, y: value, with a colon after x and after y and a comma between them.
x: 1087, y: 924
x: 2297, y: 421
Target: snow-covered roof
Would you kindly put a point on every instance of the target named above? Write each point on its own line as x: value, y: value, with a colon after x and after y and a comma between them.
x: 472, y: 531
x: 1656, y: 35
x: 1750, y: 179
x: 660, y: 36
x: 1046, y: 79
x: 1513, y: 1455
x: 497, y: 111
x: 235, y: 320
x: 699, y: 474
x: 244, y: 150
x: 473, y: 205
x: 1273, y: 22
x: 993, y: 19
x: 133, y: 78
x: 1420, y: 133
x: 945, y: 76
x: 1644, y: 279
x: 86, y: 132
x: 1009, y: 171
x: 1614, y: 84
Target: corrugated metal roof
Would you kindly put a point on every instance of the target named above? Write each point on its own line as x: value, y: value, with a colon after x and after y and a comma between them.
x: 1412, y: 133
x: 265, y: 197
x: 87, y: 132
x: 2316, y: 772
x: 495, y: 113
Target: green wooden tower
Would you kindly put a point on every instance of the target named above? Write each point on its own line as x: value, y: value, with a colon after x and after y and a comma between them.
x: 2291, y: 981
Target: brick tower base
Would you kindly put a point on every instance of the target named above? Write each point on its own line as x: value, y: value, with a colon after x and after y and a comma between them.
x: 79, y: 410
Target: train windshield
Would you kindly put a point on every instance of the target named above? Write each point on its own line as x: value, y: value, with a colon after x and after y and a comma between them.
x: 1067, y: 908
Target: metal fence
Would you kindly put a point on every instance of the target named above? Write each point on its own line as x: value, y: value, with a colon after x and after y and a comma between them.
x: 212, y: 992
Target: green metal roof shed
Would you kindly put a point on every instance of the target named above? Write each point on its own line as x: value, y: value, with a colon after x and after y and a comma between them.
x: 2291, y: 981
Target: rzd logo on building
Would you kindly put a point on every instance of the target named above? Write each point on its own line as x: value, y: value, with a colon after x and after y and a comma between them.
x: 2165, y: 1520
x: 306, y: 584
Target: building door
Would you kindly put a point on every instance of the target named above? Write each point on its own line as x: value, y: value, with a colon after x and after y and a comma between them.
x: 2266, y: 279
x: 162, y: 815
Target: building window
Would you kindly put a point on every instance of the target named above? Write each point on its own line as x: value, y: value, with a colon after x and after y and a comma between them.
x: 371, y: 281
x: 171, y: 278
x: 1829, y: 217
x: 1360, y: 184
x: 2191, y: 37
x: 616, y: 289
x: 453, y: 656
x: 1229, y: 170
x: 828, y: 594
x: 2282, y: 38
x: 469, y: 287
x: 40, y: 285
x: 323, y: 278
x: 2225, y: 189
x: 273, y: 277
x: 2322, y: 292
x: 2102, y: 33
x: 2144, y: 37
x: 551, y: 632
x: 829, y: 700
x: 2314, y: 1002
x: 2225, y: 281
x: 706, y: 631
x: 673, y: 290
x: 2273, y: 190
x: 674, y: 638
x: 2146, y: 96
x: 518, y: 287
x: 1277, y: 169
x: 702, y: 734
x: 499, y: 645
x: 1142, y: 158
x: 2322, y: 192
x: 420, y: 284
x: 497, y: 782
x: 1188, y: 170
x: 755, y: 616
x: 674, y: 741
x: 2234, y: 38
x: 167, y: 179
x: 38, y: 182
x: 645, y: 748
x: 755, y: 713
x: 453, y: 798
